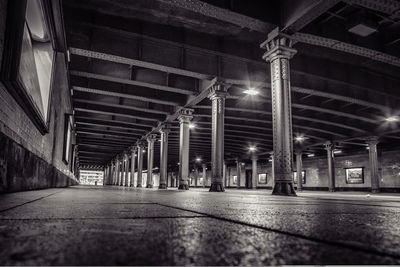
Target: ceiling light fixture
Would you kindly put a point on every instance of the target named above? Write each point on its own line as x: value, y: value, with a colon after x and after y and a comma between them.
x: 311, y: 155
x: 198, y: 159
x: 252, y: 148
x: 337, y: 151
x: 251, y: 91
x: 392, y: 119
x: 192, y: 126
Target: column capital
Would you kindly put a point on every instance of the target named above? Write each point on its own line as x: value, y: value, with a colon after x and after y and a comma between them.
x: 329, y: 146
x: 185, y: 115
x: 151, y: 138
x: 218, y: 90
x: 254, y: 156
x: 165, y: 128
x: 133, y: 149
x: 141, y: 144
x: 278, y: 45
x: 298, y: 152
x: 372, y: 140
x: 204, y: 166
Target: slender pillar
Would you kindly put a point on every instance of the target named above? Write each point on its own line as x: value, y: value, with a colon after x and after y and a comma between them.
x: 373, y: 162
x: 105, y: 175
x: 133, y: 160
x: 126, y: 169
x: 164, y: 131
x: 204, y: 174
x: 273, y: 169
x: 254, y: 173
x: 196, y: 176
x: 238, y: 172
x: 218, y: 93
x: 329, y: 147
x: 150, y: 159
x: 224, y: 174
x: 299, y: 170
x: 140, y: 148
x: 117, y: 171
x: 113, y: 172
x: 279, y: 51
x: 184, y: 120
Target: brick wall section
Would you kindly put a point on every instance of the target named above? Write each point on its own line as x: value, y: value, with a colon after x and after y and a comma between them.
x: 32, y: 160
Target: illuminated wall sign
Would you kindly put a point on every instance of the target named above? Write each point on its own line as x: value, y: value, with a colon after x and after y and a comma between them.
x: 303, y: 176
x: 262, y: 178
x: 355, y: 175
x: 234, y: 179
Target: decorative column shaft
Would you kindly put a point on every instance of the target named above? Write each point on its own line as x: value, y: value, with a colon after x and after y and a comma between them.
x: 224, y: 176
x: 117, y: 171
x: 196, y: 176
x: 164, y: 157
x: 113, y: 172
x: 254, y: 173
x: 204, y: 174
x: 133, y: 160
x: 217, y: 96
x: 373, y: 162
x: 150, y: 159
x: 279, y: 51
x: 126, y: 169
x: 329, y: 147
x: 238, y: 171
x: 184, y: 120
x: 299, y: 170
x: 140, y: 148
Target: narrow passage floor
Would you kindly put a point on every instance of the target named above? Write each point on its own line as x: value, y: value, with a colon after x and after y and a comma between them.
x: 86, y: 225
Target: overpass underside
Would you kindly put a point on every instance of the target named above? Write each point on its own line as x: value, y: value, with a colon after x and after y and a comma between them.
x: 269, y: 103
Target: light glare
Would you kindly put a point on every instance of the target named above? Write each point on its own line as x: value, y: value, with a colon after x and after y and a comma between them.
x: 251, y: 91
x: 392, y: 119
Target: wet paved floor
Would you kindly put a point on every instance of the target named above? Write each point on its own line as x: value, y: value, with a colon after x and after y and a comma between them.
x: 128, y: 226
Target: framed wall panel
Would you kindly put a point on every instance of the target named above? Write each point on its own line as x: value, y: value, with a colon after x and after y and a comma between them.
x: 29, y: 58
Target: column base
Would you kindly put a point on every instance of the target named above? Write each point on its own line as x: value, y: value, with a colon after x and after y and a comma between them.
x: 149, y: 186
x: 284, y: 189
x: 131, y: 185
x: 162, y: 186
x: 216, y: 187
x: 139, y: 185
x: 332, y: 190
x: 183, y: 187
x: 375, y: 190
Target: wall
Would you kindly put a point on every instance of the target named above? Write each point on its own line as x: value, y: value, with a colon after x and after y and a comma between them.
x: 28, y: 159
x: 317, y: 173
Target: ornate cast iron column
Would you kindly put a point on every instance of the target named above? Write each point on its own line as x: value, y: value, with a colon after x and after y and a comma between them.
x: 184, y: 120
x: 373, y: 162
x: 204, y: 174
x: 150, y: 159
x: 330, y: 147
x: 238, y: 171
x: 164, y: 131
x: 299, y: 169
x: 117, y: 171
x: 279, y: 51
x: 133, y: 160
x: 217, y: 96
x: 254, y: 173
x: 126, y: 169
x: 140, y: 147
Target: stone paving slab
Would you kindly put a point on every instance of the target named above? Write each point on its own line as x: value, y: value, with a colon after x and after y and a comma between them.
x: 168, y: 241
x: 129, y: 226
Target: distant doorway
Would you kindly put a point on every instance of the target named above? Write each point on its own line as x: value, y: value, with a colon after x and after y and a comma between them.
x: 248, y: 179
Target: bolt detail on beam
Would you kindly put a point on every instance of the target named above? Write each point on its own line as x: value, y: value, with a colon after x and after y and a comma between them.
x: 184, y: 118
x: 218, y: 93
x: 279, y: 51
